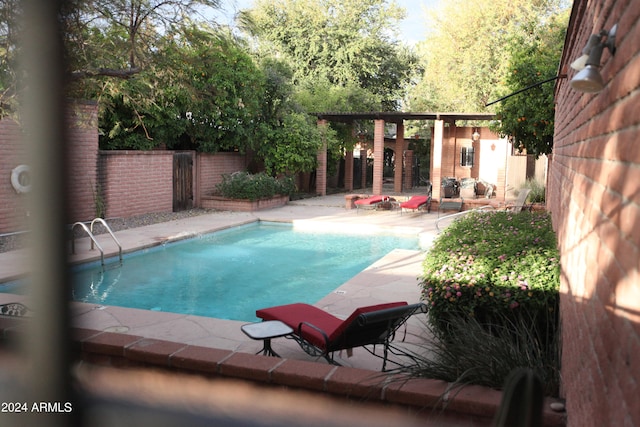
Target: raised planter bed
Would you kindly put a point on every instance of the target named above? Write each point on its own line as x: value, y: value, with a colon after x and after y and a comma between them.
x: 242, y: 205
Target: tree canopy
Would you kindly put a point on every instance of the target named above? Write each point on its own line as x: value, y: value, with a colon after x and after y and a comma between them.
x: 331, y: 44
x: 527, y: 118
x: 466, y: 55
x: 165, y: 73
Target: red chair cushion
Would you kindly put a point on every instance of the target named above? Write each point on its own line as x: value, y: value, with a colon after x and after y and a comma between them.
x: 414, y: 202
x: 294, y: 314
x: 371, y: 200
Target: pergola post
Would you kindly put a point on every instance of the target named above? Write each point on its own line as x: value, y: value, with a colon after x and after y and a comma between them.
x: 399, y: 152
x: 321, y: 170
x: 436, y: 158
x: 378, y: 156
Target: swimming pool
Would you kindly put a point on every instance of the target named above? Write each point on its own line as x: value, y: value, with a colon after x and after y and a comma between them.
x: 231, y: 273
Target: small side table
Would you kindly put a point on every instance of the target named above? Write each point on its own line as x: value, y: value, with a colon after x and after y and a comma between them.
x: 266, y: 331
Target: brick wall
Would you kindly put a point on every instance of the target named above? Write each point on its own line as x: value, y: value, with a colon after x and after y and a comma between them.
x: 13, y: 208
x: 136, y: 182
x: 83, y: 148
x: 211, y: 167
x: 594, y: 197
x: 83, y: 160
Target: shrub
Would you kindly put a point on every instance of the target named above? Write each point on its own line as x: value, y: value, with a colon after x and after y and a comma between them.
x: 537, y: 190
x: 491, y: 262
x: 491, y: 281
x: 472, y: 354
x: 243, y: 185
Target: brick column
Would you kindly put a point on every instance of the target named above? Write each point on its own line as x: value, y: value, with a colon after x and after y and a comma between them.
x: 399, y: 151
x: 408, y: 170
x: 436, y: 158
x: 348, y: 170
x: 321, y: 170
x: 378, y: 156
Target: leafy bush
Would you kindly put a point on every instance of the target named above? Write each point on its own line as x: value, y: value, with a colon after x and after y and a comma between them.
x: 493, y: 261
x: 537, y: 191
x: 243, y: 185
x: 491, y: 281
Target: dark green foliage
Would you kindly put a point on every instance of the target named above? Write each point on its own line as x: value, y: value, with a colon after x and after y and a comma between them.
x: 243, y: 185
x: 493, y: 262
x: 528, y: 118
x: 491, y: 281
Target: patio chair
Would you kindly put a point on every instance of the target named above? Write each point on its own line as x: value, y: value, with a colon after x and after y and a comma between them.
x: 519, y: 202
x: 417, y: 203
x: 321, y: 334
x: 374, y: 202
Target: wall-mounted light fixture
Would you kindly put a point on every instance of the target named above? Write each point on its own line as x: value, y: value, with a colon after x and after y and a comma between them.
x: 588, y: 78
x: 475, y: 135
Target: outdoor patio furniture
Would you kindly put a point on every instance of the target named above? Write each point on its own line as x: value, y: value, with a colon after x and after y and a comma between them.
x: 266, y: 331
x: 321, y: 334
x: 468, y: 188
x: 376, y: 202
x: 450, y: 188
x: 450, y: 205
x: 519, y: 202
x: 417, y: 203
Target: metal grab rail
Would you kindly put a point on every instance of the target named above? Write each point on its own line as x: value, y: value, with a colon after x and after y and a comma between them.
x: 104, y: 224
x: 481, y: 208
x: 93, y: 240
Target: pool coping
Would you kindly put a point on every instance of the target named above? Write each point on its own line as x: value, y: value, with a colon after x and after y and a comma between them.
x: 473, y: 405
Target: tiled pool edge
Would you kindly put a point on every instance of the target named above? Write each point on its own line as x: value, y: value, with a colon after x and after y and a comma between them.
x: 469, y: 404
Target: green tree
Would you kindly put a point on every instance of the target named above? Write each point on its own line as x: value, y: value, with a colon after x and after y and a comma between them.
x: 339, y: 42
x: 528, y: 117
x: 140, y: 22
x: 10, y: 28
x: 465, y: 57
x: 202, y: 90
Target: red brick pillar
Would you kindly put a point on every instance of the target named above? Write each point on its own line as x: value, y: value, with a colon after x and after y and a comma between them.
x: 321, y: 170
x: 436, y: 158
x: 348, y: 170
x: 399, y: 150
x: 378, y: 156
x: 408, y: 169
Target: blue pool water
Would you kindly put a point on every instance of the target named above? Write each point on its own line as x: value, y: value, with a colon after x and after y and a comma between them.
x: 231, y: 273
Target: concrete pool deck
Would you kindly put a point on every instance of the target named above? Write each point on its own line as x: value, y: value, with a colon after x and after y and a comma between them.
x: 392, y: 278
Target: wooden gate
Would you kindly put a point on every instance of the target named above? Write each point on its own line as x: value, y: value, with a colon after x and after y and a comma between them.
x: 182, y: 181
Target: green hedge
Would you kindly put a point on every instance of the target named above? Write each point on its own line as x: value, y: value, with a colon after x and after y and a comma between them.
x: 490, y: 262
x: 491, y: 281
x: 243, y: 185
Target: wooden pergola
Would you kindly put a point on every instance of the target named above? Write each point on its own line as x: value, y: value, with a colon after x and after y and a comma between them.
x: 397, y: 117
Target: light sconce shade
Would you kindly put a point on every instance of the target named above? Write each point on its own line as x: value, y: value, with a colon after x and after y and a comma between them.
x: 475, y: 136
x: 588, y: 78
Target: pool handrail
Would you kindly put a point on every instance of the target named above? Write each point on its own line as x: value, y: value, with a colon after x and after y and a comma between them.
x: 93, y: 240
x: 457, y: 214
x: 106, y: 226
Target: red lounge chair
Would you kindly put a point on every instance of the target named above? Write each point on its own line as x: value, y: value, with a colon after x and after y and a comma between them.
x: 321, y: 334
x: 373, y: 202
x: 417, y: 203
